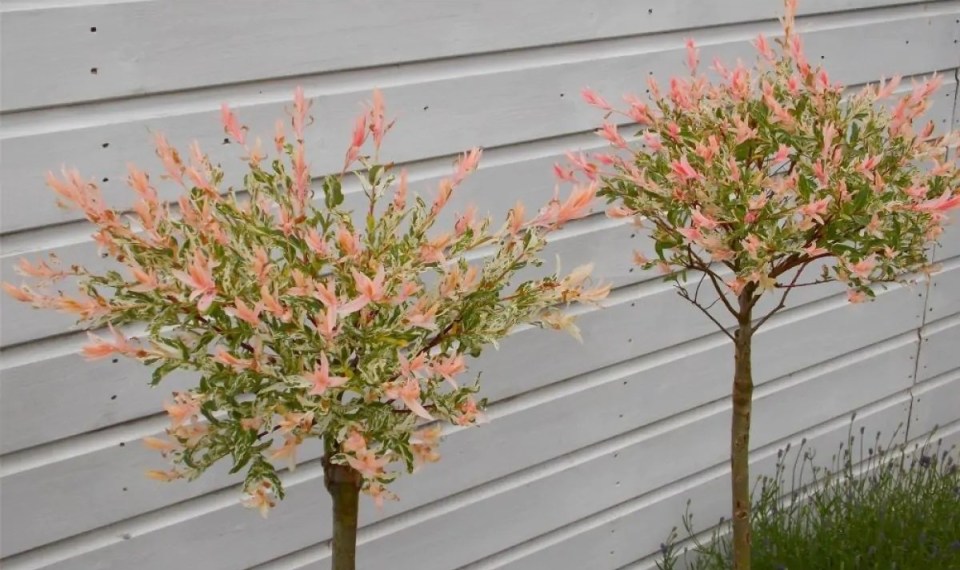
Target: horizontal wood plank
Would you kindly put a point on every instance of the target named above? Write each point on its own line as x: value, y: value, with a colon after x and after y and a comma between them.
x: 635, y: 529
x: 48, y: 381
x: 622, y: 401
x: 511, y: 174
x: 641, y: 466
x: 85, y: 83
x: 490, y: 108
x: 620, y: 468
x: 938, y: 353
x: 949, y: 245
x: 67, y: 54
x: 935, y: 402
x: 943, y: 298
x: 605, y: 243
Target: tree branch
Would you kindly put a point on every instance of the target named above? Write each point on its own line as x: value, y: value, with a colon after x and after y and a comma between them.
x: 696, y: 293
x: 697, y: 263
x: 715, y: 279
x: 795, y: 260
x: 686, y: 295
x: 783, y: 298
x: 246, y: 346
x: 808, y: 283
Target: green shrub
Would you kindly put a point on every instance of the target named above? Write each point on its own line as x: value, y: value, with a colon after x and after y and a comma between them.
x: 878, y: 507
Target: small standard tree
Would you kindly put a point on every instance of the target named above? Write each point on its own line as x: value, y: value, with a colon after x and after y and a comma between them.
x: 307, y: 321
x: 751, y: 176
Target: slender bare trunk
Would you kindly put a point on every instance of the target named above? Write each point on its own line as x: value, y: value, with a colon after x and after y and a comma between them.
x: 343, y: 483
x: 740, y: 441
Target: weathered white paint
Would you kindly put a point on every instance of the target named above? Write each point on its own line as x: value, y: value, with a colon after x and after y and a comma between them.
x: 646, y: 390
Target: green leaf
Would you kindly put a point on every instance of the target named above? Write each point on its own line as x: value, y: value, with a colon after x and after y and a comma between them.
x: 861, y: 199
x: 373, y: 176
x: 854, y: 134
x: 407, y: 455
x: 207, y: 410
x: 332, y: 191
x: 658, y: 246
x: 805, y: 187
x: 240, y: 459
x: 161, y: 371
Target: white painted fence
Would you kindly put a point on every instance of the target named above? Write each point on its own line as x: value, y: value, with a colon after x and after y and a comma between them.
x: 592, y: 450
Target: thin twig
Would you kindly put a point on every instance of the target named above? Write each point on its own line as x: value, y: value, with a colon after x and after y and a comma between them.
x: 783, y: 298
x: 696, y: 294
x: 808, y: 283
x: 720, y: 293
x: 701, y: 265
x: 686, y: 295
x: 793, y: 260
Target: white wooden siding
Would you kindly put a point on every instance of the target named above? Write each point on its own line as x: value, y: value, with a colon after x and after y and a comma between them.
x: 592, y: 449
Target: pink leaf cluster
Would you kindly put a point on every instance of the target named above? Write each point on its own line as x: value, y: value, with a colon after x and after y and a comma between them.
x: 750, y: 174
x: 299, y: 317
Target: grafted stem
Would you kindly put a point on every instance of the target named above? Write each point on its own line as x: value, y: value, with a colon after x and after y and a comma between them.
x: 343, y: 483
x: 740, y: 439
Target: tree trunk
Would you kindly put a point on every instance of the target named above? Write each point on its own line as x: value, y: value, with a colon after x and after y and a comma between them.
x: 343, y: 483
x: 740, y: 443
